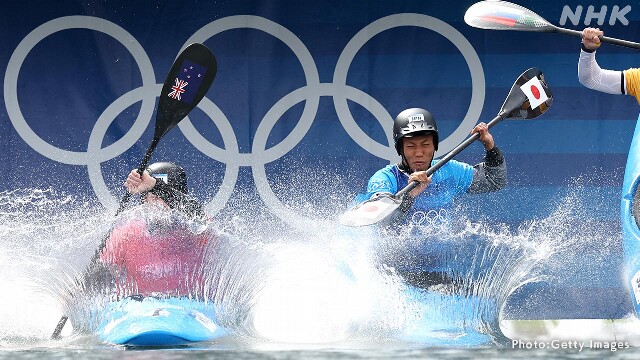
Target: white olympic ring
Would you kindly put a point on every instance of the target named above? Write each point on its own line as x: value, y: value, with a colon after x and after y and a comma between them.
x: 78, y: 22
x: 230, y: 155
x: 427, y: 22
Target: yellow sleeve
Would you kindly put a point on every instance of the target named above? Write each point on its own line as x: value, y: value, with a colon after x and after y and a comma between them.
x: 632, y: 82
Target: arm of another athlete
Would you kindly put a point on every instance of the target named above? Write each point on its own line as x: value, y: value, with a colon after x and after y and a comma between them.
x: 589, y: 72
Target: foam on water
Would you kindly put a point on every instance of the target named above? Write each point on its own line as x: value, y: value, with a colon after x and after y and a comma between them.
x: 323, y: 291
x: 43, y: 237
x: 321, y: 285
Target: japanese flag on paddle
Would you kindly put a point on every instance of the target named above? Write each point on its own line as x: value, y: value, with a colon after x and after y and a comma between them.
x: 534, y: 91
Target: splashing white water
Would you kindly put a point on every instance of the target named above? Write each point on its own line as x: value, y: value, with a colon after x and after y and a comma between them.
x: 42, y: 237
x: 319, y: 293
x: 324, y: 285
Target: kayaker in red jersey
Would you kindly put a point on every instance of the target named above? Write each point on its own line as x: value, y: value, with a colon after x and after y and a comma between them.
x: 159, y: 251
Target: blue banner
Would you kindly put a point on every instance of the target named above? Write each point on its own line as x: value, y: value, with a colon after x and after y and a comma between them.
x: 302, y: 106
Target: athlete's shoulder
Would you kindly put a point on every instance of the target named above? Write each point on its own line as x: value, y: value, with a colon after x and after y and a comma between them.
x: 633, y: 73
x: 632, y: 82
x: 453, y: 166
x: 385, y: 179
x: 390, y: 170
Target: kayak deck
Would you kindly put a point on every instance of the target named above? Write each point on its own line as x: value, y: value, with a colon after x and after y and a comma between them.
x: 153, y: 321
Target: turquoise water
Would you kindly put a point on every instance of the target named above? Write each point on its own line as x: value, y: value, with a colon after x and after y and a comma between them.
x: 297, y: 294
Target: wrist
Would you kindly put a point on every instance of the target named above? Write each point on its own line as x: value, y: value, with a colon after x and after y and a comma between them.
x: 586, y: 49
x: 494, y: 157
x: 154, y: 186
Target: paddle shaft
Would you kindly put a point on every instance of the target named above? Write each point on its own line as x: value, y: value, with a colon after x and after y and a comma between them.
x: 58, y: 329
x: 610, y: 40
x: 450, y: 155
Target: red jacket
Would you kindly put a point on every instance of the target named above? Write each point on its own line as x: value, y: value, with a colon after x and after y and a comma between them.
x: 165, y: 262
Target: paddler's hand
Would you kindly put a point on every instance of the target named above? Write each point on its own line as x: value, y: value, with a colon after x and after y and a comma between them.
x: 137, y: 184
x: 423, y: 179
x: 485, y: 136
x: 591, y: 38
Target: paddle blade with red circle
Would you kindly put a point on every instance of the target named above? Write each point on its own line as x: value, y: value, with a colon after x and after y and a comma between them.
x: 371, y: 211
x: 503, y: 15
x: 529, y: 97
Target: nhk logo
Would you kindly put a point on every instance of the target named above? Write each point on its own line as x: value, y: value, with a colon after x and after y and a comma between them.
x: 617, y: 14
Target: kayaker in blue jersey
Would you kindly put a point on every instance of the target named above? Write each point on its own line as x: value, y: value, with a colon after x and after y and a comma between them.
x: 415, y: 134
x: 425, y: 261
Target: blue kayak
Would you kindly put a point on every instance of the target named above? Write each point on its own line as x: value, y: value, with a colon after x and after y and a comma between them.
x: 441, y: 314
x: 630, y: 214
x: 448, y: 320
x: 161, y: 322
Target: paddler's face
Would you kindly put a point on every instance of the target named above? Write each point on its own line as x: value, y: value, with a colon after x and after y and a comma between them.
x: 150, y: 198
x: 418, y: 151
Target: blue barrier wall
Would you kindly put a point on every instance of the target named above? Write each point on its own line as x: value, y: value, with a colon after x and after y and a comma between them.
x: 316, y: 84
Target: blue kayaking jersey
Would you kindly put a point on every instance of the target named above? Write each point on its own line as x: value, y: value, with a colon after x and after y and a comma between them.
x: 450, y: 180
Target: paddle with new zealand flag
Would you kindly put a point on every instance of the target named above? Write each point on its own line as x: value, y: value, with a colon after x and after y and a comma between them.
x: 189, y: 79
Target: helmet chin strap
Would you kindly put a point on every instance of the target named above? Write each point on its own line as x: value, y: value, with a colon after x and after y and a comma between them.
x: 404, y: 164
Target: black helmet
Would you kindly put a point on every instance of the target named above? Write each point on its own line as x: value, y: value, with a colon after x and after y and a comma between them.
x: 171, y: 174
x: 414, y: 122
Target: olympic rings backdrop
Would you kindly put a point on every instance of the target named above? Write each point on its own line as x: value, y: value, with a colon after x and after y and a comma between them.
x: 302, y: 106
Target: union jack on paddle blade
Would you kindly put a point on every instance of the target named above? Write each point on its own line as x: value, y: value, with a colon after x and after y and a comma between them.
x: 187, y: 82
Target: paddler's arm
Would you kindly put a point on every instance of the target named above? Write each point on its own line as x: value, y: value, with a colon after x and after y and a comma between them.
x: 590, y: 74
x: 490, y: 175
x: 608, y: 81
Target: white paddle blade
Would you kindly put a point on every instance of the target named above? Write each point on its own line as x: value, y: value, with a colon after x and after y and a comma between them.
x: 370, y: 212
x: 503, y: 15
